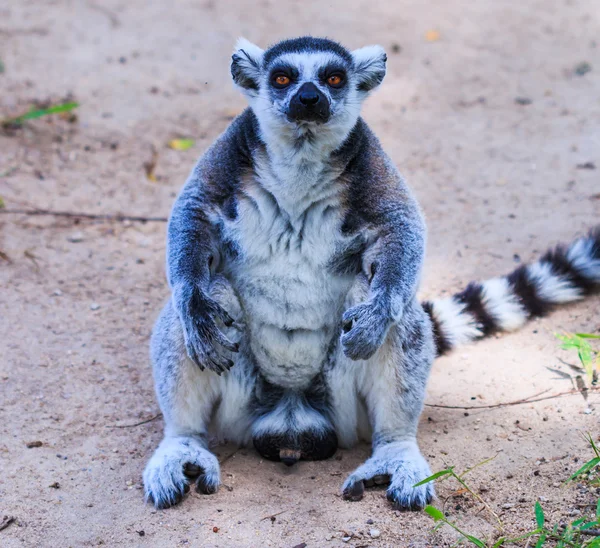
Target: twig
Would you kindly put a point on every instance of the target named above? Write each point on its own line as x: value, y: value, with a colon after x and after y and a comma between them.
x: 590, y: 532
x: 529, y: 399
x: 135, y: 424
x: 271, y: 516
x: 80, y: 215
x: 6, y: 521
x: 225, y: 459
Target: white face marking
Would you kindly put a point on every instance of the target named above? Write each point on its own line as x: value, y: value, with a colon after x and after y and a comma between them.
x: 280, y: 134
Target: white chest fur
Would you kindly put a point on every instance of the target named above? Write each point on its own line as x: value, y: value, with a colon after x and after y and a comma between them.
x: 288, y: 230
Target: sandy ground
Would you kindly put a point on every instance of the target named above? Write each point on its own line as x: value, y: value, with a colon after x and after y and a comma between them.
x: 498, y: 181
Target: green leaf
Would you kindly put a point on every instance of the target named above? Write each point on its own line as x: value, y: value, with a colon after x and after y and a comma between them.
x: 590, y: 525
x: 539, y: 515
x: 587, y: 466
x: 598, y: 510
x: 181, y: 144
x: 38, y: 113
x: 587, y: 336
x: 435, y: 476
x: 436, y: 514
x: 541, y: 541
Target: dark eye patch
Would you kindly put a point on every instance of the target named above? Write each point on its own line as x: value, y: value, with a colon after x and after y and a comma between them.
x: 285, y: 70
x: 333, y: 69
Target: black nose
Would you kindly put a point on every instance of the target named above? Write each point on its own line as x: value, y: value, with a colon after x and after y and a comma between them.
x: 309, y: 97
x: 309, y: 105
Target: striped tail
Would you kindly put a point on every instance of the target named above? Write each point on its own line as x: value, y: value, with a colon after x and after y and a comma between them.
x: 562, y: 275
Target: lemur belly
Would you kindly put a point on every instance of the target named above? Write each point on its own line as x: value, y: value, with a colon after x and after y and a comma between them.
x: 287, y: 289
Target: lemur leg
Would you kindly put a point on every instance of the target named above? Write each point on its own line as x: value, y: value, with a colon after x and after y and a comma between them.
x: 392, y: 384
x: 190, y: 399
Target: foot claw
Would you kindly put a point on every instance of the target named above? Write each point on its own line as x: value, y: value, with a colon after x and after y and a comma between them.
x: 355, y: 491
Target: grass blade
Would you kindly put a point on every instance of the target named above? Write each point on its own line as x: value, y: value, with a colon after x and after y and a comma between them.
x: 435, y: 476
x: 539, y: 515
x: 475, y: 541
x: 39, y: 112
x: 587, y: 466
x: 541, y: 541
x: 436, y: 514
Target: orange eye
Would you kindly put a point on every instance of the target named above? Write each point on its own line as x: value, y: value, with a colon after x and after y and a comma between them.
x: 334, y: 80
x: 282, y: 80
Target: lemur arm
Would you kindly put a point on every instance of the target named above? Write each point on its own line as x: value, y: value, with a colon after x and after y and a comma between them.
x: 399, y: 252
x: 385, y: 207
x: 194, y: 243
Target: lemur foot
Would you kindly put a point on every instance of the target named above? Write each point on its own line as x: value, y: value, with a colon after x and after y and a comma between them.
x: 401, y: 465
x: 175, y: 464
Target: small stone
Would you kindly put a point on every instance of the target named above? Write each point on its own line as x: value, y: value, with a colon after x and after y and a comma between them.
x: 346, y: 539
x: 507, y: 505
x: 94, y: 306
x: 33, y: 444
x: 375, y: 533
x: 541, y: 498
x: 523, y: 101
x: 215, y: 529
x: 57, y: 293
x: 370, y: 521
x: 75, y: 237
x: 583, y: 68
x: 587, y: 411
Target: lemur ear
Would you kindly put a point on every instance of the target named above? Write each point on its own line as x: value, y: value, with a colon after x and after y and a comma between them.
x: 245, y: 65
x: 369, y: 66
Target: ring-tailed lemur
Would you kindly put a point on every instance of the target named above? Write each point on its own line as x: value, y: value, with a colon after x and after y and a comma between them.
x: 294, y: 255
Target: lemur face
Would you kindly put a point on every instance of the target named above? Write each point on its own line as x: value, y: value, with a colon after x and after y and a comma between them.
x: 307, y: 84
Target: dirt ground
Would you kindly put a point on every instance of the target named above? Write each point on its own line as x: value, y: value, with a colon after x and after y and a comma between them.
x: 497, y: 178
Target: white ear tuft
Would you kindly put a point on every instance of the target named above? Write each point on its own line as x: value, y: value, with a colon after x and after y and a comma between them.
x: 246, y: 63
x: 369, y: 65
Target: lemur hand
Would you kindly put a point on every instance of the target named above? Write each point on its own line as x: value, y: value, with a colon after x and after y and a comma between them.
x: 365, y: 327
x: 199, y: 314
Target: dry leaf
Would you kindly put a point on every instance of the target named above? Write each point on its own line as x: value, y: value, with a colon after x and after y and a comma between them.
x: 150, y: 165
x: 432, y: 35
x: 181, y: 144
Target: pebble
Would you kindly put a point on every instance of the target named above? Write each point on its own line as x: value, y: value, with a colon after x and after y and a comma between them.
x: 523, y: 100
x: 542, y: 498
x: 94, y: 306
x: 346, y: 539
x: 587, y: 411
x: 375, y: 533
x: 75, y: 237
x: 57, y: 293
x: 370, y: 521
x: 507, y: 505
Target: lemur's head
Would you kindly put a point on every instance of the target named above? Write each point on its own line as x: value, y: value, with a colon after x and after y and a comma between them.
x: 307, y: 86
